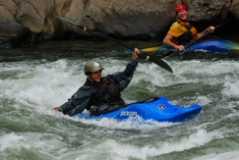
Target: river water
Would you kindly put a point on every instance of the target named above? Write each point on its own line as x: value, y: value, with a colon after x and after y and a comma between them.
x: 30, y: 130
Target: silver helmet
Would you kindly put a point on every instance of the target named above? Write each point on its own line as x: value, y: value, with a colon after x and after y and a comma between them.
x: 91, y: 67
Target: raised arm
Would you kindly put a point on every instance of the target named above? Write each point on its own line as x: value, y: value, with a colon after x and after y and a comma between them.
x: 125, y: 77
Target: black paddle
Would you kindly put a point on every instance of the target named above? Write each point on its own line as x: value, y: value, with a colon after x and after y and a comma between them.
x: 145, y: 55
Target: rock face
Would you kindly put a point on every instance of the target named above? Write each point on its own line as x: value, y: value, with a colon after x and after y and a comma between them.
x: 120, y: 17
x: 126, y: 18
x: 235, y: 8
x: 8, y: 25
x: 37, y: 15
x: 208, y: 9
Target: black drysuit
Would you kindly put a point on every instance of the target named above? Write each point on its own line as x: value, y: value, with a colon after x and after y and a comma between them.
x: 100, y: 97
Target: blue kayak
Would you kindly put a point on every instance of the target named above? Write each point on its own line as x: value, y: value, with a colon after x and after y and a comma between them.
x: 215, y: 46
x: 159, y: 109
x: 206, y: 49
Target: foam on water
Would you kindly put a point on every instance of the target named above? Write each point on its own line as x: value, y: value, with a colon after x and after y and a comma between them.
x: 38, y: 86
x: 42, y: 86
x: 220, y: 156
x: 45, y: 86
x: 129, y: 124
x: 46, y: 145
x: 203, y: 100
x: 231, y: 88
x: 9, y: 140
x: 50, y: 84
x: 123, y: 151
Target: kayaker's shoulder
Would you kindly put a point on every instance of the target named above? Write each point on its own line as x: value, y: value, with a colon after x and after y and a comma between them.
x: 175, y: 24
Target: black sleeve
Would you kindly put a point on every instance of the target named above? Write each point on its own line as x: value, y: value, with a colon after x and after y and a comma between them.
x: 78, y: 102
x: 124, y: 78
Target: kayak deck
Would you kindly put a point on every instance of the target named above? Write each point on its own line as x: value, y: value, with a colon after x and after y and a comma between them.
x: 159, y: 109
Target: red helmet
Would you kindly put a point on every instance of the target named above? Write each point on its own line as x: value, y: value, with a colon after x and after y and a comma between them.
x: 181, y: 7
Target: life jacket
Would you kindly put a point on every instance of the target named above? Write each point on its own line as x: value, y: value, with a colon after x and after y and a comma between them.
x: 106, y: 97
x: 187, y: 36
x: 182, y: 32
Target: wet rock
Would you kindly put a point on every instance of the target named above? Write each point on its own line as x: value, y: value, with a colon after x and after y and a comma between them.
x: 127, y: 18
x: 235, y: 9
x: 119, y: 17
x: 37, y: 15
x: 8, y: 25
x: 9, y: 29
x: 8, y: 10
x: 208, y: 9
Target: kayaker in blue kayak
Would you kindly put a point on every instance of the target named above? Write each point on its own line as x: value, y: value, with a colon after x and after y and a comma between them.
x: 182, y: 32
x: 100, y: 94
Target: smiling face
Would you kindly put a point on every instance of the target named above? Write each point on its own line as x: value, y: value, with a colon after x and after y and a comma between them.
x: 96, y: 76
x: 183, y: 15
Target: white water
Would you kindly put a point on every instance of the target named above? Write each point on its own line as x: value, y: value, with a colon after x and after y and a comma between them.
x: 39, y: 86
x: 124, y: 151
x: 220, y: 156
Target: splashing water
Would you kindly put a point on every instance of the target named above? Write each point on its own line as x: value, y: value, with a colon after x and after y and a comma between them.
x: 29, y: 129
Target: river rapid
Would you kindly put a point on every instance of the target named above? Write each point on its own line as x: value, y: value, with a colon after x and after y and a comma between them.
x: 31, y: 130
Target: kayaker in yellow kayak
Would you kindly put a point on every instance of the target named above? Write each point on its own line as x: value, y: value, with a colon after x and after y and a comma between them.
x: 182, y: 32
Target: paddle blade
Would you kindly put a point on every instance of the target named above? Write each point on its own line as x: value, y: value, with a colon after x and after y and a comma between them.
x: 161, y: 63
x: 151, y: 49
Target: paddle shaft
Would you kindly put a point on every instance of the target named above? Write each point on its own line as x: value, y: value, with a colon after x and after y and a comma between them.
x: 144, y: 55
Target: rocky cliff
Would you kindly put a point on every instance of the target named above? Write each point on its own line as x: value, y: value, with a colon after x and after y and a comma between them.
x: 125, y: 18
